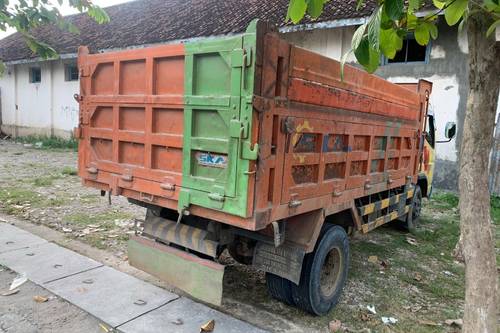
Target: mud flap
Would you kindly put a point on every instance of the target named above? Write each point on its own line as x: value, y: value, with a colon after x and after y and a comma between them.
x: 201, y: 278
x: 284, y: 261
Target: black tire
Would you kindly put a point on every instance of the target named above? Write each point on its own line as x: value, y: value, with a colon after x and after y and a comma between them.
x: 411, y: 222
x: 279, y: 288
x: 324, y: 272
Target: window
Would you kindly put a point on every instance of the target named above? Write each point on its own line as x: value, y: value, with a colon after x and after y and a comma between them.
x: 35, y: 75
x: 411, y: 52
x: 71, y: 72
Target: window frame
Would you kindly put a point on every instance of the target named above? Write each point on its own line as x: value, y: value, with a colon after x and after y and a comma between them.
x: 385, y: 60
x: 32, y: 76
x: 67, y: 72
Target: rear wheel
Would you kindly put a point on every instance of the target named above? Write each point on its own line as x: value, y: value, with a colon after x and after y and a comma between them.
x: 324, y: 272
x: 411, y: 222
x: 279, y: 288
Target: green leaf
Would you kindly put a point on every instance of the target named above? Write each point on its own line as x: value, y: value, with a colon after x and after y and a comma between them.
x: 98, y: 14
x: 439, y: 4
x: 359, y: 3
x: 358, y: 36
x: 413, y: 5
x: 411, y: 21
x: 368, y: 57
x: 343, y: 60
x: 422, y: 35
x: 390, y: 42
x: 296, y: 10
x: 374, y: 28
x: 362, y: 52
x: 455, y: 10
x: 394, y: 9
x: 433, y: 29
x: 2, y: 68
x: 492, y: 28
x: 492, y: 5
x: 315, y: 8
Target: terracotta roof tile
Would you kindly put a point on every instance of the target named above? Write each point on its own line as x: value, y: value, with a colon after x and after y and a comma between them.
x: 143, y: 22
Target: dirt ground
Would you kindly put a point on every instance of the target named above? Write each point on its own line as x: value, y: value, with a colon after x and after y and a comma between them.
x: 412, y: 278
x: 20, y: 313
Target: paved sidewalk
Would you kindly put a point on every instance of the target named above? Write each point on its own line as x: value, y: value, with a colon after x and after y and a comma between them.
x: 125, y: 303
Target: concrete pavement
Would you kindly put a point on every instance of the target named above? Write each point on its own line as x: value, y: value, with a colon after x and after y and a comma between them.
x: 123, y: 302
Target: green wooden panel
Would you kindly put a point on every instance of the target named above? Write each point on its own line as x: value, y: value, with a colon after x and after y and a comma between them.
x: 219, y: 80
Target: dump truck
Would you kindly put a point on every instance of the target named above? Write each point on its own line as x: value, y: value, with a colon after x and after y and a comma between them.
x: 255, y: 146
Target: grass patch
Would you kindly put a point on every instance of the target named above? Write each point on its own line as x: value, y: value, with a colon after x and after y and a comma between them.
x: 18, y: 196
x: 44, y: 181
x: 445, y: 200
x: 69, y: 171
x: 13, y: 197
x: 495, y: 209
x: 49, y: 142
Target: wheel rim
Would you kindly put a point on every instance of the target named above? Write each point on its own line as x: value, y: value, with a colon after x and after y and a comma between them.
x: 417, y: 207
x: 330, y: 272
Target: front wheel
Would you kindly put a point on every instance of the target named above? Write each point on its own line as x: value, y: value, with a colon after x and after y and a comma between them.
x: 324, y: 272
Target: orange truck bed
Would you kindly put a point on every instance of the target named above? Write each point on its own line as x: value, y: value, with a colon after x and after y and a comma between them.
x: 244, y: 130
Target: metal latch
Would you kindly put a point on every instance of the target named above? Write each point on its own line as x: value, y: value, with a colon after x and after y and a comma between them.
x: 238, y: 129
x: 216, y: 197
x: 167, y: 187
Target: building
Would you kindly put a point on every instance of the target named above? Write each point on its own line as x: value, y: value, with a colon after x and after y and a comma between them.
x: 37, y: 96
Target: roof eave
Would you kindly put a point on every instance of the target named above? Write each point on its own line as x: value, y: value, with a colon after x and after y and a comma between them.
x: 343, y: 22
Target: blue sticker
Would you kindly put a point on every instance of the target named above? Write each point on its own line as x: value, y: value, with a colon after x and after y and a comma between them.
x: 212, y: 160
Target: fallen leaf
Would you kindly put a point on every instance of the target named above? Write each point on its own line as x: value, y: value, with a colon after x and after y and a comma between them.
x: 411, y: 241
x: 177, y: 322
x: 373, y: 259
x: 448, y: 273
x: 371, y: 308
x: 67, y: 230
x: 12, y: 292
x: 334, y: 326
x: 389, y: 320
x: 384, y: 264
x: 454, y: 322
x: 104, y: 328
x: 417, y: 276
x: 18, y: 281
x: 364, y: 316
x: 40, y: 299
x: 208, y: 327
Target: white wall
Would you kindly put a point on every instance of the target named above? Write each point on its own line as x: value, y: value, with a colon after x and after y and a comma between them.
x: 332, y: 43
x: 45, y: 108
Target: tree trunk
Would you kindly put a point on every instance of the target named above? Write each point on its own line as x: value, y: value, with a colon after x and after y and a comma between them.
x: 481, y: 284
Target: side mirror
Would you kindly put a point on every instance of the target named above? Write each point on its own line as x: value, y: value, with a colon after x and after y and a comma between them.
x: 450, y: 130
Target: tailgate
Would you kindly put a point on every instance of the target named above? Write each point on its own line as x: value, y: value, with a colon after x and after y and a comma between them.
x: 172, y: 124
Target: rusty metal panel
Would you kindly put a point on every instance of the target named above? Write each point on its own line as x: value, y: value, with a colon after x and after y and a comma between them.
x: 201, y: 278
